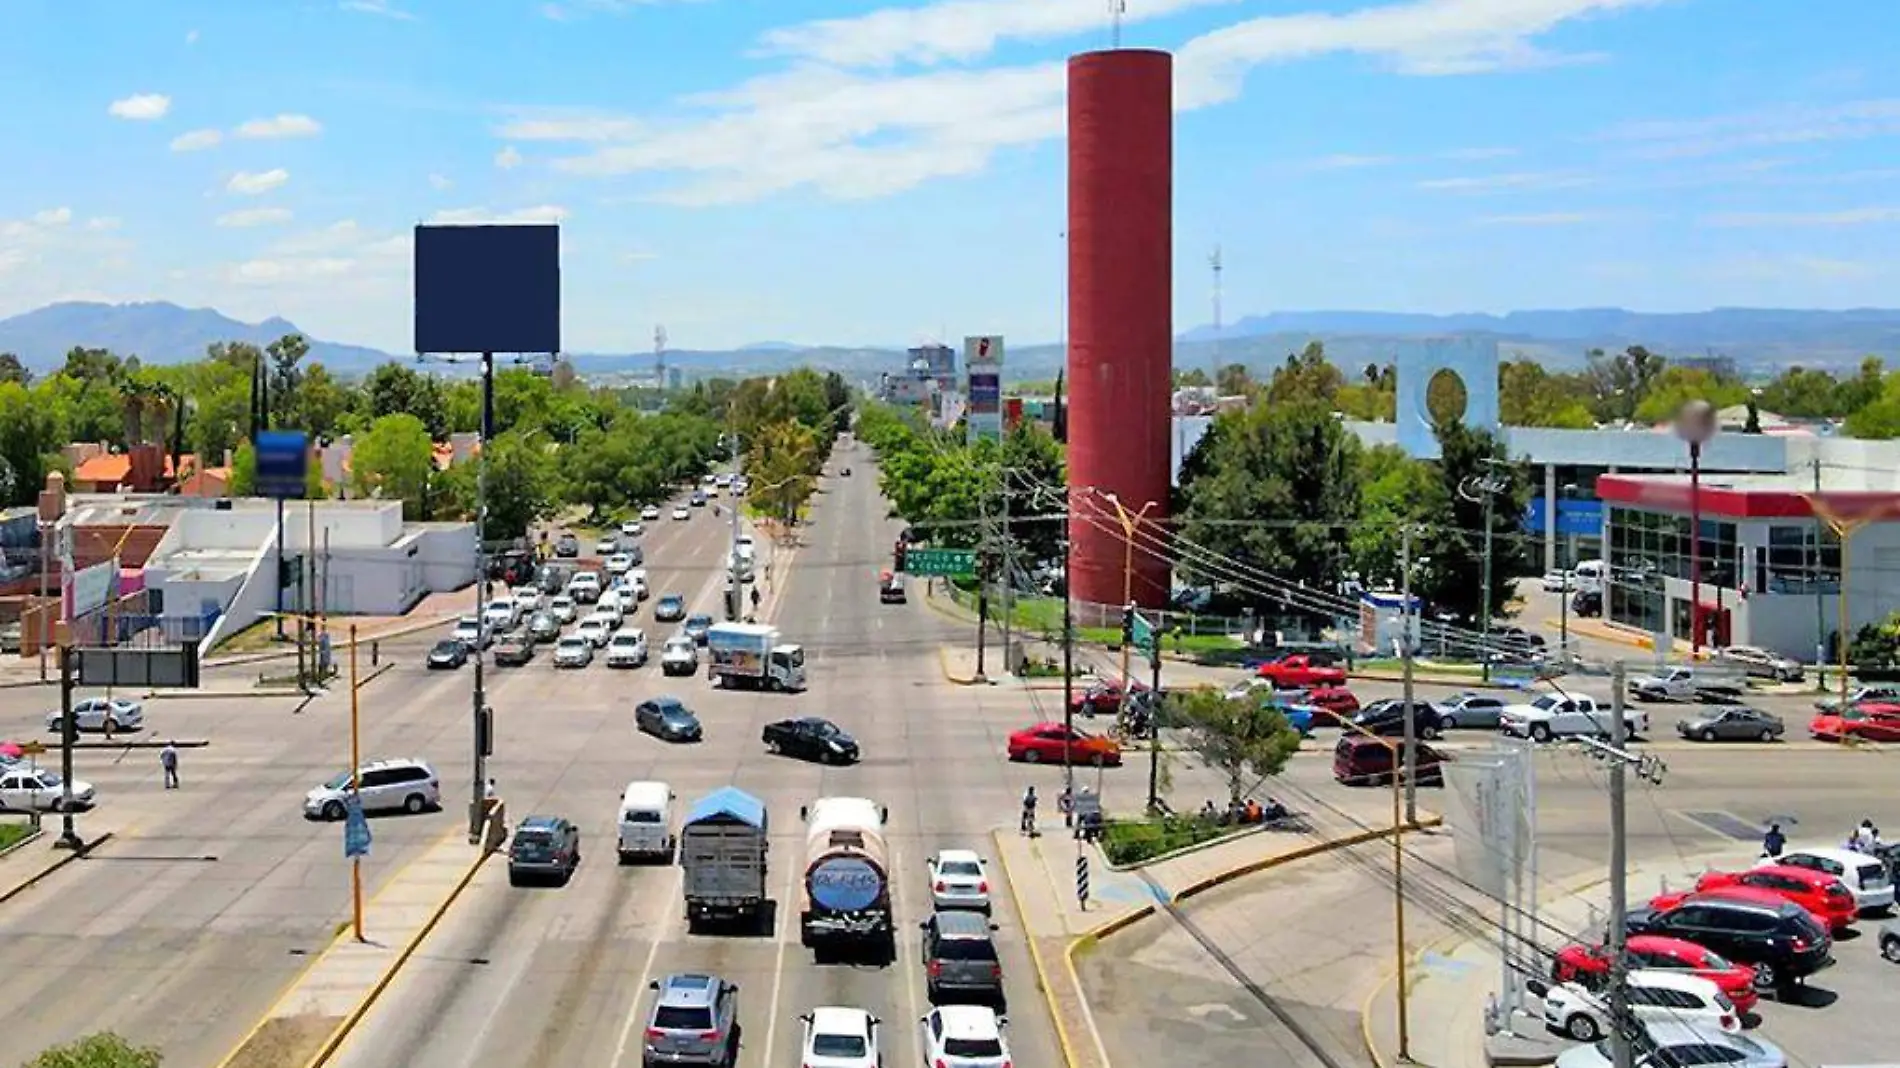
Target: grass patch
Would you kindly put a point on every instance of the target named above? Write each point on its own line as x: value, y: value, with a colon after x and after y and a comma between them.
x: 1395, y: 665
x: 12, y: 834
x: 259, y: 637
x: 1135, y: 841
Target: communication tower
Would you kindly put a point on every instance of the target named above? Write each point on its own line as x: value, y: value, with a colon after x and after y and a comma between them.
x: 659, y: 357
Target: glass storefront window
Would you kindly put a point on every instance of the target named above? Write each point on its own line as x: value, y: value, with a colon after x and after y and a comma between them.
x: 1797, y: 565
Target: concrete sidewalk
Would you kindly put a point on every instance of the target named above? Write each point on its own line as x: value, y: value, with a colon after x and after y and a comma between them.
x: 1454, y: 980
x: 1041, y: 872
x: 312, y: 1018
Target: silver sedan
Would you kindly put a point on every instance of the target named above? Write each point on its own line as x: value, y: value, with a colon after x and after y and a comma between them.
x: 1730, y: 723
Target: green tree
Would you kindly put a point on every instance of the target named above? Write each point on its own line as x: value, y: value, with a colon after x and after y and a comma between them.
x: 1234, y: 380
x: 1528, y: 395
x: 322, y: 399
x: 1454, y: 540
x: 781, y: 469
x: 1274, y: 488
x: 28, y: 433
x: 395, y: 460
x: 1306, y: 376
x: 102, y: 1050
x: 286, y: 379
x: 1237, y: 737
x: 520, y: 486
x: 392, y: 388
x: 1397, y: 491
x: 1618, y: 384
x: 1676, y: 386
x: 13, y: 369
x: 1880, y: 417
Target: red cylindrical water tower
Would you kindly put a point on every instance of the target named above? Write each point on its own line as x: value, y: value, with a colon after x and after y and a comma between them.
x: 1121, y: 322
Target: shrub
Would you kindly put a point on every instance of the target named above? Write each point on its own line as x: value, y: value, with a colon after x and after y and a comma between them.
x: 103, y: 1050
x: 1136, y: 841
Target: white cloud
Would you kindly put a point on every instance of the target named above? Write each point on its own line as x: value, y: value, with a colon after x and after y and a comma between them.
x: 266, y: 272
x: 439, y: 182
x: 850, y: 135
x: 545, y: 213
x: 102, y: 224
x: 279, y: 127
x: 376, y: 7
x: 952, y: 30
x: 191, y: 37
x: 141, y: 107
x: 196, y: 140
x: 53, y: 217
x: 1346, y: 161
x: 508, y: 159
x: 249, y: 217
x: 1847, y: 217
x: 1495, y: 183
x: 1549, y: 218
x: 570, y: 10
x: 541, y: 124
x: 1856, y: 120
x: 252, y: 183
x: 1474, y: 155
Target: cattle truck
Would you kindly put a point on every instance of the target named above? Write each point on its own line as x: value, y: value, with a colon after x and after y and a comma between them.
x: 722, y: 847
x: 847, y: 887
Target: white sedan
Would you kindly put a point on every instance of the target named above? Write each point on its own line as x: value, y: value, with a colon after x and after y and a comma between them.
x: 102, y: 713
x: 841, y: 1038
x: 1559, y: 581
x: 618, y: 564
x: 32, y: 789
x: 682, y: 512
x: 958, y: 880
x: 632, y: 529
x: 965, y: 1036
x: 650, y: 512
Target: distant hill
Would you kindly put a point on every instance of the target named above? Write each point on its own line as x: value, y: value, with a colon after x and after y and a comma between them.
x: 1758, y: 340
x: 156, y: 333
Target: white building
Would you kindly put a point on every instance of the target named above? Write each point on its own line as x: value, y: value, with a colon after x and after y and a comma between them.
x: 220, y: 556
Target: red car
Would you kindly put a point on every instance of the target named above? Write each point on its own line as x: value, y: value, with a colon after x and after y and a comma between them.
x: 1867, y: 722
x: 1047, y: 743
x: 1822, y: 894
x: 1576, y: 963
x: 1336, y: 701
x: 1103, y: 699
x: 1300, y: 671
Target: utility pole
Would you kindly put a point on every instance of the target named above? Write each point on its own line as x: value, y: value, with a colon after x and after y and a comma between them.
x: 1009, y: 665
x: 1068, y: 653
x: 1406, y: 642
x: 733, y: 597
x: 1485, y: 488
x: 1619, y: 879
x: 477, y: 807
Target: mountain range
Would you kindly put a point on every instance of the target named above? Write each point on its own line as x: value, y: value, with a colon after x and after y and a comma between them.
x: 1758, y: 340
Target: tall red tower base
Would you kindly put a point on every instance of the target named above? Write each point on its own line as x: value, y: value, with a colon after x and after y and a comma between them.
x: 1121, y: 321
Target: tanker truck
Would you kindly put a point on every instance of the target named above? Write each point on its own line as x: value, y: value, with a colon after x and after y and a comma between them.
x: 847, y: 886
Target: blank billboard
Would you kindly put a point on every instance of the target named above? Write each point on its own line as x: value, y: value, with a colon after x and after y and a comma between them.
x: 488, y: 289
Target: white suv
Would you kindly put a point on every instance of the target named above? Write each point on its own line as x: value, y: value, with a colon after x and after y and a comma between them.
x: 383, y: 785
x: 627, y: 648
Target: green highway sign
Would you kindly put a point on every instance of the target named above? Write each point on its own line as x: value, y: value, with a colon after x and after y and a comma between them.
x: 951, y: 563
x: 1145, y: 636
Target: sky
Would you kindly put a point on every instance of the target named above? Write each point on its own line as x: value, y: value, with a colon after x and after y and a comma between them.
x: 874, y: 172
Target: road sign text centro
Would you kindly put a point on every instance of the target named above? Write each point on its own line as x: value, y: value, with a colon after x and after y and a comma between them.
x: 951, y: 563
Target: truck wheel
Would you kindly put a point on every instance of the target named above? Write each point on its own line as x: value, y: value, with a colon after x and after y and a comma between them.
x: 1540, y: 732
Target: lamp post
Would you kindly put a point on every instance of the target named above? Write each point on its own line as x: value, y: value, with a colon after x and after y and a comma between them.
x: 1696, y: 425
x: 1563, y: 594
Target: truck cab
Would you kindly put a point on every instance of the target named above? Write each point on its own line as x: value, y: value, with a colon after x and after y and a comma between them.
x: 1688, y: 684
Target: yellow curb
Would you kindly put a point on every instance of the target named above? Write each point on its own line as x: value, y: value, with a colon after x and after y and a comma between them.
x: 1602, y: 632
x: 1303, y: 853
x: 38, y: 877
x: 1035, y: 955
x: 290, y: 990
x: 342, y: 1032
x: 943, y: 661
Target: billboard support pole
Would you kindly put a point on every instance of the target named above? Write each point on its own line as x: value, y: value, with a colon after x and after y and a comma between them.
x: 476, y: 812
x: 68, y: 734
x: 280, y: 569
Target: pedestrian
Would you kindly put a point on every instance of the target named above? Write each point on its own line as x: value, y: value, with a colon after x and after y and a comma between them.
x: 489, y: 791
x: 168, y: 759
x: 1029, y: 811
x: 1774, y: 841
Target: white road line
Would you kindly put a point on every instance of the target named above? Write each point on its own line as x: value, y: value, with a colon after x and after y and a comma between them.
x: 913, y: 997
x: 670, y: 902
x: 785, y: 919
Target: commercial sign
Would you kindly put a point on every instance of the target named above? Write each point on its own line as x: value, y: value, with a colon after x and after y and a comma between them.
x: 283, y: 463
x: 89, y: 590
x: 983, y: 370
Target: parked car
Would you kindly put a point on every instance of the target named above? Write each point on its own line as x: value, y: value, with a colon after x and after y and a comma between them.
x: 670, y: 608
x: 1781, y: 939
x: 1732, y: 723
x: 811, y: 738
x: 574, y: 651
x: 544, y: 847
x: 33, y: 789
x: 1672, y: 1044
x: 668, y: 719
x: 1362, y: 761
x: 695, y: 1022
x: 1823, y: 895
x: 516, y: 651
x: 1760, y: 663
x: 109, y: 714
x: 1387, y: 719
x: 396, y: 785
x: 1474, y: 711
x: 1302, y: 669
x: 1579, y: 1013
x: 1865, y: 877
x: 1051, y: 743
x: 447, y: 654
x: 1590, y: 965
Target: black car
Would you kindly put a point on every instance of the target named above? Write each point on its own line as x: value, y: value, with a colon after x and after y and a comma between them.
x: 1780, y: 938
x: 567, y: 546
x: 1586, y: 604
x: 447, y: 654
x: 514, y: 651
x: 1387, y: 719
x: 812, y: 739
x: 552, y: 578
x: 670, y: 608
x: 668, y: 719
x: 544, y: 627
x: 697, y: 627
x: 545, y: 847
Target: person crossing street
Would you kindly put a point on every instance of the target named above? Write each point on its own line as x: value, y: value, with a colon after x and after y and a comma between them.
x: 168, y: 760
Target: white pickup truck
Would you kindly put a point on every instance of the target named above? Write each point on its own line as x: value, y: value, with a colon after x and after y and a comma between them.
x: 1689, y: 684
x: 1556, y: 715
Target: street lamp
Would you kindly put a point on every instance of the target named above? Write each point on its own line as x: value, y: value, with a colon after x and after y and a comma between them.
x: 1696, y: 425
x: 1564, y: 588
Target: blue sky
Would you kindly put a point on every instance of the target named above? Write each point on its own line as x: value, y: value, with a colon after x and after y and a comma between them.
x: 870, y: 171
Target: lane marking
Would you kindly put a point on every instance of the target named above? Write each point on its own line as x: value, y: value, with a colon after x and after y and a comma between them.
x: 662, y: 934
x: 901, y: 913
x: 779, y: 918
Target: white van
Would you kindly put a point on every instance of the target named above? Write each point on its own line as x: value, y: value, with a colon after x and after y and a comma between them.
x: 646, y: 822
x: 1589, y: 575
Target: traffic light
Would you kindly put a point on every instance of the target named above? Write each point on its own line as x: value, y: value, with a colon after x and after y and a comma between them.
x: 485, y: 731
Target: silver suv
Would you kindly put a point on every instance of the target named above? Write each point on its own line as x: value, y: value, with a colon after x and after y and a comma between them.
x: 695, y: 1021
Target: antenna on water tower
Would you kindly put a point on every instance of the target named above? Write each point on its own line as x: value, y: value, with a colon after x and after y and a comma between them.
x: 659, y: 357
x: 1213, y: 263
x: 1116, y: 9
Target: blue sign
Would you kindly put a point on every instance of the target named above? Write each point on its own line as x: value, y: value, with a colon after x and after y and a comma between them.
x: 356, y: 836
x: 1575, y: 518
x: 283, y: 463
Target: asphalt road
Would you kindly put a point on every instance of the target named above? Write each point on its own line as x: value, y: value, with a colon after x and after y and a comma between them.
x: 186, y: 927
x: 518, y: 976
